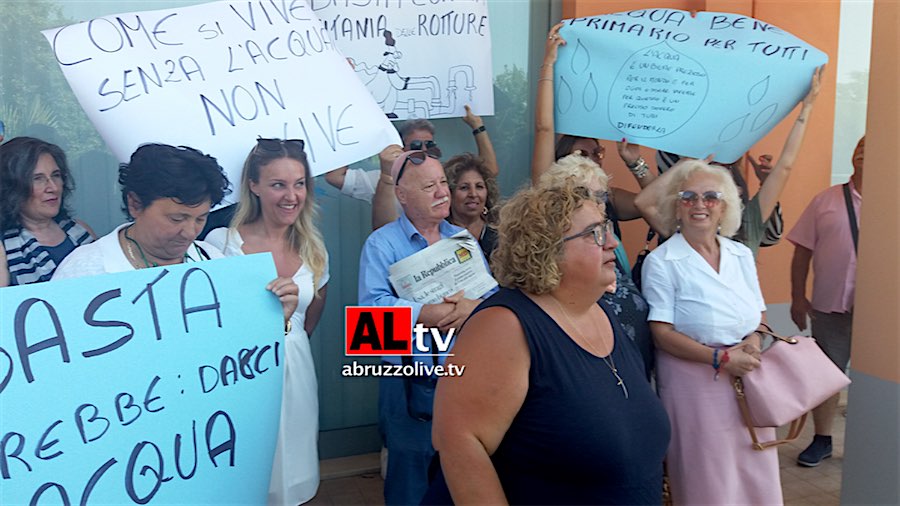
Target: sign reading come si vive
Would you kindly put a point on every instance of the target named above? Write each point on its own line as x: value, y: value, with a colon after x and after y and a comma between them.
x: 157, y: 386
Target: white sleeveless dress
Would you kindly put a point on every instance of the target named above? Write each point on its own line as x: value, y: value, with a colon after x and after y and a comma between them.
x: 295, y: 470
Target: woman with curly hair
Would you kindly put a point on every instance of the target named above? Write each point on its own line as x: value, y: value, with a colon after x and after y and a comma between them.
x: 473, y: 193
x: 276, y: 213
x: 38, y: 232
x: 553, y: 407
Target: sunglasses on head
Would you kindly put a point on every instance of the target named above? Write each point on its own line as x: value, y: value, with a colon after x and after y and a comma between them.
x: 710, y: 198
x: 429, y: 147
x: 277, y: 145
x: 417, y: 158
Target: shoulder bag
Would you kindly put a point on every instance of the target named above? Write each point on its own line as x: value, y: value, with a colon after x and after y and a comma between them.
x: 795, y: 376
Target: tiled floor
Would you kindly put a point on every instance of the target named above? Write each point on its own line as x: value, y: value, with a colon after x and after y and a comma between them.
x: 356, y: 481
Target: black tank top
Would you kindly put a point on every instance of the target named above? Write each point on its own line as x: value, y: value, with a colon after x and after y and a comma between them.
x: 577, y: 439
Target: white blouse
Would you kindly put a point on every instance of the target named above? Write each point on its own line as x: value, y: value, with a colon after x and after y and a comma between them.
x: 713, y: 308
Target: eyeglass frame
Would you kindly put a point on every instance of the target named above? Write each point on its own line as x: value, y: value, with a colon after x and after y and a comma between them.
x: 428, y: 146
x: 600, y: 231
x: 706, y: 197
x: 416, y: 163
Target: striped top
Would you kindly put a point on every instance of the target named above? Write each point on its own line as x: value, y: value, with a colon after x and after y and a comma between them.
x: 29, y: 261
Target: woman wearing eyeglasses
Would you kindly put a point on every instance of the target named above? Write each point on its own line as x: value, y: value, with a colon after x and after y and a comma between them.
x: 276, y: 213
x: 705, y: 308
x: 553, y: 407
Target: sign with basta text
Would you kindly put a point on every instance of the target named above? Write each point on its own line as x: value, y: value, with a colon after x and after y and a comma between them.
x: 695, y: 86
x: 157, y: 386
x: 216, y: 76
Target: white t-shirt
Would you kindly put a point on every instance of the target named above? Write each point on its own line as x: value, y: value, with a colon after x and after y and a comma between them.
x: 713, y: 308
x: 105, y: 256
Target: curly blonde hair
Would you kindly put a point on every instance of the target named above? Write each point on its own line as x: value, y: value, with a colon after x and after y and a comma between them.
x: 731, y: 214
x: 575, y: 167
x: 532, y: 225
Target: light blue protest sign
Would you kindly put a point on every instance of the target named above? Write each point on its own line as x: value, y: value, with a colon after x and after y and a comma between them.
x: 714, y: 84
x: 157, y: 386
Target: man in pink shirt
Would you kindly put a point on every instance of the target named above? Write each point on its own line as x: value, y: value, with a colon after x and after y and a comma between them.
x: 824, y: 235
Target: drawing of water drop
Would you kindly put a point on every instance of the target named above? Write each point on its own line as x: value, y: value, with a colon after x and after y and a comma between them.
x: 733, y: 129
x: 758, y: 91
x: 763, y: 117
x: 563, y: 95
x: 656, y: 92
x: 590, y: 94
x: 581, y: 58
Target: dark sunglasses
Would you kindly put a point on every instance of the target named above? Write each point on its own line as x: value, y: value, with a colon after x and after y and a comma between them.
x: 430, y: 147
x: 417, y: 158
x: 710, y: 198
x: 277, y: 145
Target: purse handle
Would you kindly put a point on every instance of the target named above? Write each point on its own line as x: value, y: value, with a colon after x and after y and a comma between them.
x: 796, y: 426
x: 793, y: 433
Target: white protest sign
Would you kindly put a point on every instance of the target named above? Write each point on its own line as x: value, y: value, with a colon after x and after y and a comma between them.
x: 714, y: 84
x: 215, y: 77
x: 418, y: 58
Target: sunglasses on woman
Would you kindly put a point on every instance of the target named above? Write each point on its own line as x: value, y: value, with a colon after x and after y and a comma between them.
x: 417, y: 158
x: 277, y: 145
x: 710, y: 198
x: 600, y: 231
x: 429, y: 147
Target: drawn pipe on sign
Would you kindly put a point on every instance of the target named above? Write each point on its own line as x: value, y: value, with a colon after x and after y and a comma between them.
x: 59, y: 341
x: 153, y: 468
x: 109, y: 36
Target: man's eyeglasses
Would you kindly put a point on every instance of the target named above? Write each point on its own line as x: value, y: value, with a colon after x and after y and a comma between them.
x: 278, y: 145
x: 429, y: 147
x: 417, y: 158
x: 710, y: 198
x: 600, y: 232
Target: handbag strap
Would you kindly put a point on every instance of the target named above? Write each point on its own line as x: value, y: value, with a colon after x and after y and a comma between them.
x: 851, y: 213
x: 793, y: 433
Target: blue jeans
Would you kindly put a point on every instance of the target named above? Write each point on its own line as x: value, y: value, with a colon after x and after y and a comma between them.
x: 408, y: 442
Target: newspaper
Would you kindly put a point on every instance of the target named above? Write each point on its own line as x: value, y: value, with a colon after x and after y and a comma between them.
x: 444, y: 268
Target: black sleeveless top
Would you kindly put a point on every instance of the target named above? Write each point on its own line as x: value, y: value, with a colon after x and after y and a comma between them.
x: 576, y: 438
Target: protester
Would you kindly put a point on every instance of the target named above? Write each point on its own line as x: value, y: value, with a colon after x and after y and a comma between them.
x: 756, y: 210
x: 826, y: 235
x: 166, y: 193
x: 624, y: 300
x: 416, y: 135
x: 705, y: 308
x: 38, y: 232
x: 547, y: 149
x: 473, y: 193
x: 276, y: 214
x: 553, y: 407
x: 423, y: 192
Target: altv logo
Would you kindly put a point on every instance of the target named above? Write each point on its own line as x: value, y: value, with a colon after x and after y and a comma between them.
x: 376, y: 331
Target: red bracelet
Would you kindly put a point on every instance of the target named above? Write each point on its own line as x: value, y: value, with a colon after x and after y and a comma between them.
x: 722, y: 361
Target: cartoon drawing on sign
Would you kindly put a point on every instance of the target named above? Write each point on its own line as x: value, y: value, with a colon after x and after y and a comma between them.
x: 414, y: 97
x: 656, y: 92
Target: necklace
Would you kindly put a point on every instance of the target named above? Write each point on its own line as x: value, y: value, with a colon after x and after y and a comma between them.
x: 608, y: 360
x: 131, y: 241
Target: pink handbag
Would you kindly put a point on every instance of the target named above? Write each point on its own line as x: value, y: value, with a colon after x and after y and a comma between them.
x: 795, y: 376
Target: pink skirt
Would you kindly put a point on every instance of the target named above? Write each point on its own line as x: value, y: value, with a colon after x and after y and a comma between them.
x: 710, y: 458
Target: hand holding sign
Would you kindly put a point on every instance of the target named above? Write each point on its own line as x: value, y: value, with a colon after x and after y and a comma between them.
x: 667, y: 80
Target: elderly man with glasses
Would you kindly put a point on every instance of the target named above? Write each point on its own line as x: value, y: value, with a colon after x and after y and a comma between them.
x: 404, y: 409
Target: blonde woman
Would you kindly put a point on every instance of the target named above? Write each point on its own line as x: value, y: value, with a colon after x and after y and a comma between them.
x: 276, y: 214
